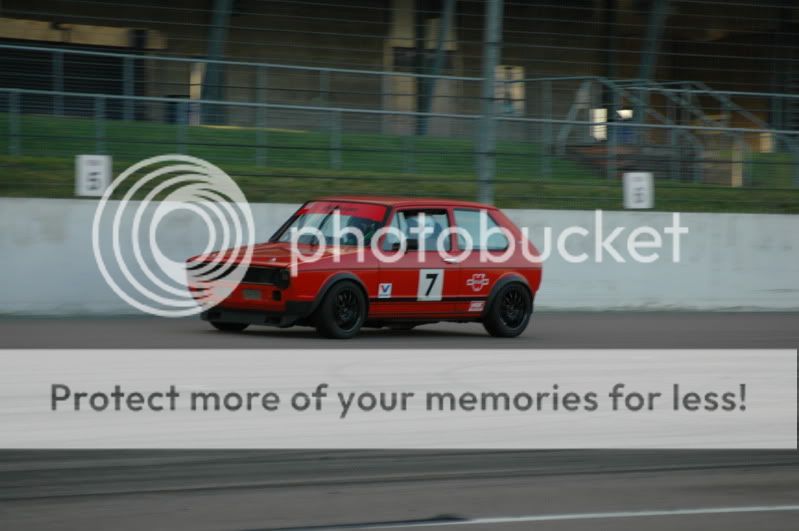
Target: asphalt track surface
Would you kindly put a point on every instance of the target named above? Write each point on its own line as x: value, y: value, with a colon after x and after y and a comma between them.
x: 551, y: 490
x: 547, y: 330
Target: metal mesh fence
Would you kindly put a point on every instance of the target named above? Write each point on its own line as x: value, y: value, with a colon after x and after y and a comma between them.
x: 310, y: 97
x: 342, y: 150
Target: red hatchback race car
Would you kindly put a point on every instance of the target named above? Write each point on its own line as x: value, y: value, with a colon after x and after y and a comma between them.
x: 342, y: 263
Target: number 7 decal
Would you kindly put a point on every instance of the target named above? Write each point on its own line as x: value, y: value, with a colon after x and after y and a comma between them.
x: 430, y: 283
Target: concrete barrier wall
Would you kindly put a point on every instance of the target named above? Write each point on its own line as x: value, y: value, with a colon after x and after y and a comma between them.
x: 728, y: 261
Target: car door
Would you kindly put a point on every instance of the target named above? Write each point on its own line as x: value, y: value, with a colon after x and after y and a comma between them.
x: 418, y: 282
x: 478, y: 273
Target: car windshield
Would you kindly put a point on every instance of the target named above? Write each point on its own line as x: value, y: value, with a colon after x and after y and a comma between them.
x: 340, y: 223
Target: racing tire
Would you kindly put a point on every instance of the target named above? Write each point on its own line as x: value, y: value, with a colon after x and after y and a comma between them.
x: 229, y: 327
x: 342, y: 311
x: 510, y: 311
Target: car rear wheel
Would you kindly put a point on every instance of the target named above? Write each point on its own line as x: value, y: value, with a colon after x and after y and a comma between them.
x: 342, y: 311
x: 229, y: 327
x: 509, y: 313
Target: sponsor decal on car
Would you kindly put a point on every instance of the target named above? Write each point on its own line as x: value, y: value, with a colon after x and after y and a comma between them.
x: 477, y: 281
x: 384, y: 290
x: 477, y: 306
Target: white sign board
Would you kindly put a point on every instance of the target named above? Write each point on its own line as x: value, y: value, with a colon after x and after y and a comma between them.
x: 639, y: 190
x: 92, y: 175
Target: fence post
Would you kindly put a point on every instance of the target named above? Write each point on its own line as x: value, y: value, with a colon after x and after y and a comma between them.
x: 324, y: 87
x: 612, y: 133
x: 410, y: 153
x: 99, y: 124
x: 487, y: 132
x: 748, y: 162
x: 676, y: 154
x: 698, y: 165
x: 385, y: 103
x: 260, y: 119
x: 324, y: 93
x: 128, y: 87
x: 546, y: 130
x: 429, y: 85
x: 335, y: 140
x: 795, y: 155
x: 260, y: 137
x: 58, y: 83
x: 181, y: 120
x: 674, y: 159
x: 737, y: 162
x: 13, y: 123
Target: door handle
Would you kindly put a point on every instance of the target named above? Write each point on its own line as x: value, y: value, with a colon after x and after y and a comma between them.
x: 450, y: 260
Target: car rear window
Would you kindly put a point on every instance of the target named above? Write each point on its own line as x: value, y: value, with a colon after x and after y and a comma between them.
x: 469, y: 221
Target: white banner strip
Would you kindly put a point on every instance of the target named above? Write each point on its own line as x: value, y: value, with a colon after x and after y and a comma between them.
x: 399, y: 399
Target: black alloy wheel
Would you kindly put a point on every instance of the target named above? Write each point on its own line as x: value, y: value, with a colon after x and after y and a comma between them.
x: 342, y: 311
x: 510, y: 311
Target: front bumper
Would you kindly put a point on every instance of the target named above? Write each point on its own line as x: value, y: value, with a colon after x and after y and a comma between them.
x: 295, y: 313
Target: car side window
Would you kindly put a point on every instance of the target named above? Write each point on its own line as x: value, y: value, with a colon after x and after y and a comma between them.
x: 469, y: 222
x: 428, y: 224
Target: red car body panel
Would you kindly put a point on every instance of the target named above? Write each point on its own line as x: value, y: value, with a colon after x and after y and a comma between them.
x: 464, y: 292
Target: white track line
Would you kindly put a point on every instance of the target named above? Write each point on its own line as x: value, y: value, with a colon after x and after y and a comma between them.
x: 589, y: 516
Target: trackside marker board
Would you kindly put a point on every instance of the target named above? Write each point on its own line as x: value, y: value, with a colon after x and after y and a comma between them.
x: 639, y: 190
x: 92, y: 175
x: 408, y: 399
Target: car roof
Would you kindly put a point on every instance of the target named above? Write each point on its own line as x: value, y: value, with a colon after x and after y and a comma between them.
x: 399, y: 201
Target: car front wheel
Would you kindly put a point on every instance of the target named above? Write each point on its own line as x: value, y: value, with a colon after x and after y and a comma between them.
x: 509, y: 313
x: 342, y: 311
